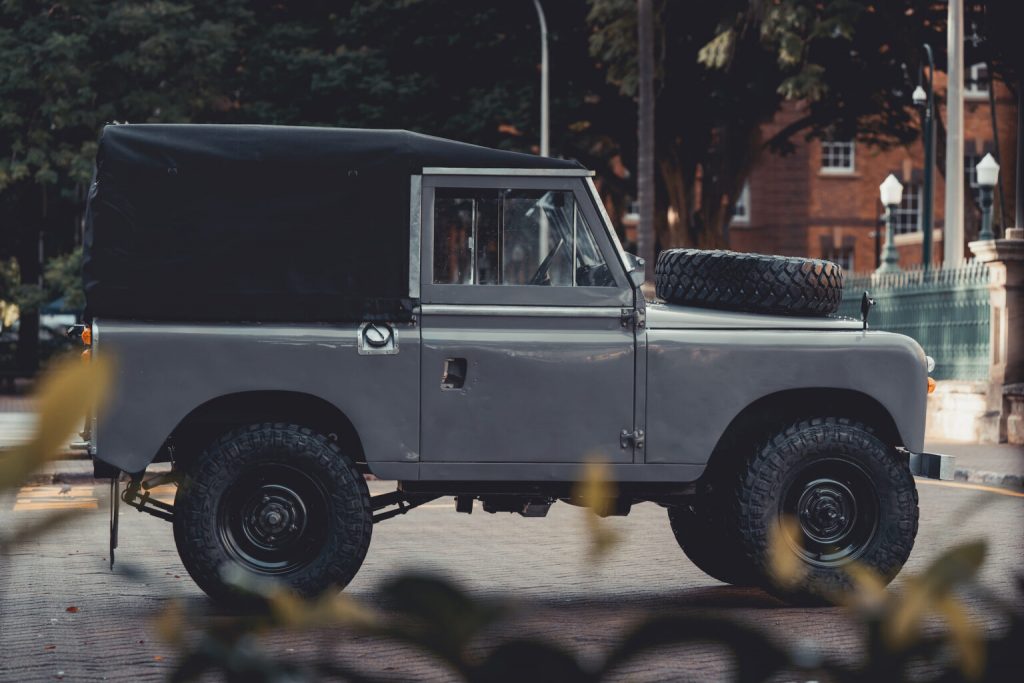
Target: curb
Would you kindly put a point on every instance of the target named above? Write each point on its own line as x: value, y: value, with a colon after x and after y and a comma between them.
x: 1001, y: 479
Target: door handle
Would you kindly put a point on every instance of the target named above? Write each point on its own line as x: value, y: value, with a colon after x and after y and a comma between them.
x: 454, y: 376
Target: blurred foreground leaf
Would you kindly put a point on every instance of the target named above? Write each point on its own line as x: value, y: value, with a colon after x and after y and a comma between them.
x: 66, y: 394
x: 786, y: 567
x: 596, y: 491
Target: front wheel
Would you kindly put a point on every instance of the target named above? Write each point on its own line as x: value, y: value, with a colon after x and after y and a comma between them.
x: 276, y: 501
x: 833, y: 494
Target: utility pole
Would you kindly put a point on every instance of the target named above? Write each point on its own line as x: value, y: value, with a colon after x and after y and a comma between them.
x: 926, y: 101
x: 953, y: 236
x: 645, y: 133
x: 545, y: 133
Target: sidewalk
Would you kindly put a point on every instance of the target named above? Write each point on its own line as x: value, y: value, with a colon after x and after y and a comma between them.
x: 992, y: 464
x: 17, y: 427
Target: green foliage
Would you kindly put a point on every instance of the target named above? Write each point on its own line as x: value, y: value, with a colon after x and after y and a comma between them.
x: 437, y: 618
x: 63, y: 278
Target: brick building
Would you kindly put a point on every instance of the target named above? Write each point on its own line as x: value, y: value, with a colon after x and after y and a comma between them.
x: 822, y: 201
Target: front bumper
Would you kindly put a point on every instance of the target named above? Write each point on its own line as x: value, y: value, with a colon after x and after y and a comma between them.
x: 932, y: 465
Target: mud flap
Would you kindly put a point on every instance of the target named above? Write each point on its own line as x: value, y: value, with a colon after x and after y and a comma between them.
x: 115, y: 511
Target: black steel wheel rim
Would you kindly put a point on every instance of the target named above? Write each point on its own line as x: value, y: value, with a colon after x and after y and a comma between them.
x: 835, y: 504
x: 274, y: 519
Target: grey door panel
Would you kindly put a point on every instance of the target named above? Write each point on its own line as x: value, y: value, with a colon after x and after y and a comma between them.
x: 524, y: 373
x: 541, y: 389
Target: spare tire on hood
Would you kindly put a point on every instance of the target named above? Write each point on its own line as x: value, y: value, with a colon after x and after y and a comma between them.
x: 780, y: 285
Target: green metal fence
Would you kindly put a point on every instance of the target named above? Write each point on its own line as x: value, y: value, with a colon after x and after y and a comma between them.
x: 946, y: 310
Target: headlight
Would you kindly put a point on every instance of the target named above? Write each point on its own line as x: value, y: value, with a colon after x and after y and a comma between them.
x: 930, y: 364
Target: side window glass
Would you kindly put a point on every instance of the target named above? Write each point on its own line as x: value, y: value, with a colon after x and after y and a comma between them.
x: 514, y: 237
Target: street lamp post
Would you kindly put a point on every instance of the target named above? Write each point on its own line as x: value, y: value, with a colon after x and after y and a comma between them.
x: 545, y: 144
x: 891, y: 192
x: 988, y: 176
x: 925, y: 100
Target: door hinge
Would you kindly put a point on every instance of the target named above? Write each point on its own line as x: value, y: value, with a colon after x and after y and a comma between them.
x: 634, y: 318
x: 634, y: 439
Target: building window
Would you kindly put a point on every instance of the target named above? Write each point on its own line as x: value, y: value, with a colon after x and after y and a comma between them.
x: 837, y: 157
x: 976, y: 82
x: 971, y: 162
x: 842, y: 256
x: 907, y: 216
x: 741, y: 209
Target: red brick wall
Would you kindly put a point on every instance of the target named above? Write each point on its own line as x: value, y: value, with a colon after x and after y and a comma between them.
x: 795, y: 208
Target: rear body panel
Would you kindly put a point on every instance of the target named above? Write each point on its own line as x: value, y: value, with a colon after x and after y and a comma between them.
x: 164, y: 371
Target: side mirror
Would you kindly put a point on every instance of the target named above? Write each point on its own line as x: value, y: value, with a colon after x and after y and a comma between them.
x: 635, y: 267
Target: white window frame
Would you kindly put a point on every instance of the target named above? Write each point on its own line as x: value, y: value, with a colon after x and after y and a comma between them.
x: 742, y: 201
x: 910, y: 206
x: 836, y: 256
x: 830, y: 151
x: 976, y: 88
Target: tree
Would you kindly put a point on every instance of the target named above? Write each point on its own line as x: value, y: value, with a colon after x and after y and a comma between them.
x: 645, y: 132
x: 455, y: 68
x: 726, y: 68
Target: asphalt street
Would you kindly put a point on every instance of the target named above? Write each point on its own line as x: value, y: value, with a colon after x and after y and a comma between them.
x: 65, y: 616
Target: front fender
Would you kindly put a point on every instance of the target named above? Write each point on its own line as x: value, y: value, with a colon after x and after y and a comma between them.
x: 700, y: 380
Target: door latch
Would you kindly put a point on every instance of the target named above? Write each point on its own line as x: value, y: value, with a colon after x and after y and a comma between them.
x: 634, y: 439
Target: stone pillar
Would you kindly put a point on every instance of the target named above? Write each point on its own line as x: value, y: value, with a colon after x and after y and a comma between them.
x: 1005, y: 259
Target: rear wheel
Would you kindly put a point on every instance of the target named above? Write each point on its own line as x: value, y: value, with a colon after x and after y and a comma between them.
x: 846, y: 496
x: 275, y: 501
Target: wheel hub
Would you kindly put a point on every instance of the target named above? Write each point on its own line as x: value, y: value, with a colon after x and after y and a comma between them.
x: 827, y: 510
x: 275, y: 516
x: 836, y: 505
x: 274, y: 519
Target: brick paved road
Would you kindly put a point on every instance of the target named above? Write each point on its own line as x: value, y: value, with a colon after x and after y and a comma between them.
x: 537, y: 562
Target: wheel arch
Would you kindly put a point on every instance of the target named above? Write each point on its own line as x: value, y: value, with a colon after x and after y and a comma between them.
x: 758, y: 420
x: 214, y: 417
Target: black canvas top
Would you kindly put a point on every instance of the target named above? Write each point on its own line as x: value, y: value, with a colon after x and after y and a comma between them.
x: 271, y: 223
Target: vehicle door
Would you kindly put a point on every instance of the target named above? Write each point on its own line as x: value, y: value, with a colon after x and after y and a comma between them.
x: 527, y: 353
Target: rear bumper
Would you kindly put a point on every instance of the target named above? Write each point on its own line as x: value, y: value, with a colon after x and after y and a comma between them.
x: 932, y: 465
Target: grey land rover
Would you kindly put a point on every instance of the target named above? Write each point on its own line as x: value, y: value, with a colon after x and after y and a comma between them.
x: 291, y: 309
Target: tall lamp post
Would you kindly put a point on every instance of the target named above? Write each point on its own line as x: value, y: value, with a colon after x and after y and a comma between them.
x: 891, y: 192
x: 988, y: 176
x: 925, y: 100
x: 545, y: 144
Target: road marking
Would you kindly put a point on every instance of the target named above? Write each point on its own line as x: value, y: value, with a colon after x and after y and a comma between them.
x: 972, y: 487
x: 34, y: 498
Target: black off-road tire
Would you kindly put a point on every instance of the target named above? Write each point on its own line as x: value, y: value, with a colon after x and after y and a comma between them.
x: 701, y: 527
x: 266, y: 479
x: 808, y: 471
x: 781, y: 285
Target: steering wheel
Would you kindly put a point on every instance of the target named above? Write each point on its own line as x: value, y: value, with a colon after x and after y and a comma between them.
x: 542, y: 272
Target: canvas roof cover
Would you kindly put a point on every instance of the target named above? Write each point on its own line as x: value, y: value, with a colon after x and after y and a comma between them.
x: 260, y: 223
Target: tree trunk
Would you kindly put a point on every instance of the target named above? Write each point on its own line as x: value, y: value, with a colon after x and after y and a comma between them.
x: 678, y: 191
x: 645, y: 133
x: 26, y: 355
